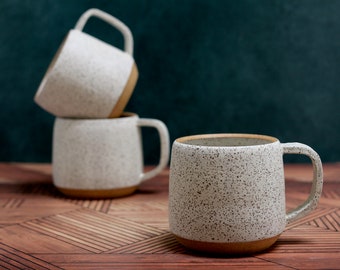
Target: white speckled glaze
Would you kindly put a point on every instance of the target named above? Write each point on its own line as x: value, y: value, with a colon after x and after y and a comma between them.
x: 229, y: 188
x: 103, y: 154
x: 88, y: 77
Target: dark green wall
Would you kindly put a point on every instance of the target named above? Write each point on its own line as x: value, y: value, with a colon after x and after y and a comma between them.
x: 269, y: 67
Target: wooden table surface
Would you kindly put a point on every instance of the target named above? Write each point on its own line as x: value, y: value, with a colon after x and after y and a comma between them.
x: 42, y: 229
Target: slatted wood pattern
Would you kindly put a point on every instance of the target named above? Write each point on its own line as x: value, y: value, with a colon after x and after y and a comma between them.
x: 41, y: 229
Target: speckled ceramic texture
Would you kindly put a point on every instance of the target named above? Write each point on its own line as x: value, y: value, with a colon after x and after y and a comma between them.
x: 229, y: 188
x: 86, y: 78
x: 103, y: 154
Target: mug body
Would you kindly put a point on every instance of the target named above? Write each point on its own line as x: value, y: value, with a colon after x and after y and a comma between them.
x: 97, y: 157
x: 226, y: 192
x: 87, y: 78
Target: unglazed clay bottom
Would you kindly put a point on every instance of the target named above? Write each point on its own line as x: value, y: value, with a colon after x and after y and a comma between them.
x: 228, y: 248
x: 126, y: 94
x: 99, y: 193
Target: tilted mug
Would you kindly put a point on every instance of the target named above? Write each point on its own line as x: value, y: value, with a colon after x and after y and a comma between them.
x: 102, y: 158
x: 227, y: 191
x: 89, y: 78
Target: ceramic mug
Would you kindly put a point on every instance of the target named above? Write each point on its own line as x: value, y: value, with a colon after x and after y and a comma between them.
x: 87, y: 77
x: 98, y: 158
x: 227, y: 191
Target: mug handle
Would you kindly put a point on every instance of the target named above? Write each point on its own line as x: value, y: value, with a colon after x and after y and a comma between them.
x: 312, y: 200
x: 164, y: 145
x: 128, y: 39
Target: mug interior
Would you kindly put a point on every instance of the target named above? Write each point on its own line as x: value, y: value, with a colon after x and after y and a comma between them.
x: 227, y: 140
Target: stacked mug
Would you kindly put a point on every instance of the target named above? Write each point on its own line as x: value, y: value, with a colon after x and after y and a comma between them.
x: 97, y: 147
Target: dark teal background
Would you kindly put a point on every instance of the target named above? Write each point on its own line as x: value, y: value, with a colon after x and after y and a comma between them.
x: 270, y: 67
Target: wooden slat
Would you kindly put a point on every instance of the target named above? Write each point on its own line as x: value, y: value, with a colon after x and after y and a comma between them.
x: 42, y: 229
x: 157, y: 261
x: 11, y: 258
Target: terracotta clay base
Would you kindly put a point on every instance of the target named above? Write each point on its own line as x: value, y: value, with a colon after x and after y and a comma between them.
x: 126, y: 94
x: 98, y: 194
x: 228, y: 248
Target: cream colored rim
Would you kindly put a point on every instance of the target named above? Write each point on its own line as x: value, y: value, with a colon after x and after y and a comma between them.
x: 226, y: 135
x: 120, y: 118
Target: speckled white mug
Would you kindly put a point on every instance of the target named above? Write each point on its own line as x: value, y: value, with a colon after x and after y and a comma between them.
x: 103, y: 158
x: 87, y: 77
x: 227, y: 191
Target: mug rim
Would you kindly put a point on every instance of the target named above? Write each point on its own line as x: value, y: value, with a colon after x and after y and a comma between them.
x: 124, y: 115
x: 267, y: 139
